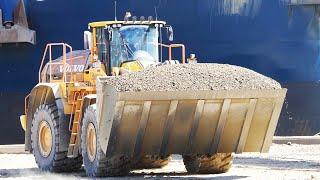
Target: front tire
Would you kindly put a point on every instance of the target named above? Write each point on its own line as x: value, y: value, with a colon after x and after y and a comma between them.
x: 45, y: 141
x: 152, y: 162
x: 205, y: 164
x: 95, y: 161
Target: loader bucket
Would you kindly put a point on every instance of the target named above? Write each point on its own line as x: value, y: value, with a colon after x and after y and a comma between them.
x: 188, y: 122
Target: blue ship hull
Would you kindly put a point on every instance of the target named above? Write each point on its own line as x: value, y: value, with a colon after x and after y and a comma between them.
x: 257, y: 34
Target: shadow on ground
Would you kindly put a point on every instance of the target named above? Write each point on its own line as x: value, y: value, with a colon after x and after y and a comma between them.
x: 185, y: 175
x: 36, y: 173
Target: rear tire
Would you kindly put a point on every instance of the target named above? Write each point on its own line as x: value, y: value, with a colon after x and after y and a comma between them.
x: 204, y: 164
x: 96, y: 164
x: 45, y: 142
x: 152, y: 162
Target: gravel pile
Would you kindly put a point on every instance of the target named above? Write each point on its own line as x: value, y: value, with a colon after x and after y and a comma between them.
x: 200, y: 76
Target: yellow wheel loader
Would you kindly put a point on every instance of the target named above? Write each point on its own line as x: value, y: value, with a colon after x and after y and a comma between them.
x: 73, y: 117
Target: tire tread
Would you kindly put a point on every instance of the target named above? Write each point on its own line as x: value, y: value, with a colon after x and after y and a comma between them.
x: 102, y: 166
x: 204, y: 164
x: 60, y: 162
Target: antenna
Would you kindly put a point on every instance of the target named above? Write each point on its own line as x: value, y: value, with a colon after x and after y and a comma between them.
x: 115, y: 10
x: 155, y: 11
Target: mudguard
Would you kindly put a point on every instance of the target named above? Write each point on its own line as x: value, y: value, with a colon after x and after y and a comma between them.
x: 47, y: 93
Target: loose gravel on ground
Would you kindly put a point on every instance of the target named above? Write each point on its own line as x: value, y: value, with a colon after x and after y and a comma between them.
x: 282, y: 162
x: 198, y: 76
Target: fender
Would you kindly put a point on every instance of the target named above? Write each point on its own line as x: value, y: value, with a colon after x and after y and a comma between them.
x: 87, y: 101
x: 47, y: 93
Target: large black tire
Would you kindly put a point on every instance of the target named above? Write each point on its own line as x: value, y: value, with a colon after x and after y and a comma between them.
x: 204, y: 164
x: 55, y: 161
x: 101, y: 165
x: 152, y: 161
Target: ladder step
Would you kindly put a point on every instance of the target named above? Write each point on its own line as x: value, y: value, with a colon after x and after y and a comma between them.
x: 70, y: 153
x: 73, y: 145
x: 70, y: 156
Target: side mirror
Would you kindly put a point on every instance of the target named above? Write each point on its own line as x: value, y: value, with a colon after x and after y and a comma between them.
x: 170, y: 33
x: 87, y: 40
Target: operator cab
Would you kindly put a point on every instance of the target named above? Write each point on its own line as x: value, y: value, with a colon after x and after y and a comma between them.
x: 134, y: 42
x: 125, y: 45
x: 110, y: 48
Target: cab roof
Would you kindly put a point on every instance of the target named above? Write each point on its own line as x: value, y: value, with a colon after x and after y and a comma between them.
x: 138, y: 22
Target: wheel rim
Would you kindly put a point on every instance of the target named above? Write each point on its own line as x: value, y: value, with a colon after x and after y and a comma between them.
x: 45, y: 139
x: 91, y: 142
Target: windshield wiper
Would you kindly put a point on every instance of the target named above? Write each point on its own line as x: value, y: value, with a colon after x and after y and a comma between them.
x: 126, y: 47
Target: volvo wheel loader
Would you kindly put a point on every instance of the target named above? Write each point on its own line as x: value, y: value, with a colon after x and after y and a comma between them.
x: 73, y: 117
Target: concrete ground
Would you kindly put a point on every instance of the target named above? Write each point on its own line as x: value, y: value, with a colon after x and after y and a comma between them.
x: 283, y: 162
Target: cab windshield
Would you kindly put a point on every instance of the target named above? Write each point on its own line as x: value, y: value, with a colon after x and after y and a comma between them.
x: 134, y: 42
